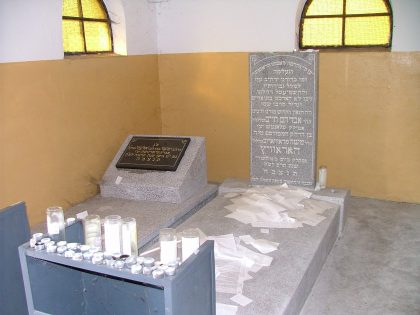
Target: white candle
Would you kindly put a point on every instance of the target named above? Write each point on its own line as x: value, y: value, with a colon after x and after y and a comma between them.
x: 168, y: 246
x: 112, y: 231
x: 168, y: 251
x: 190, y: 243
x: 322, y: 178
x: 55, y: 223
x: 129, y: 237
x: 92, y: 227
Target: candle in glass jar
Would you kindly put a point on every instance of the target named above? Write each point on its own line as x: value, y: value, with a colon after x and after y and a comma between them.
x: 322, y: 178
x: 190, y: 243
x: 56, y: 224
x: 129, y: 236
x: 92, y: 229
x: 168, y: 246
x: 112, y: 231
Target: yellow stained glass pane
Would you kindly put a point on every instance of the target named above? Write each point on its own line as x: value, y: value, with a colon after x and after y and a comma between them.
x: 73, y: 36
x: 93, y: 9
x: 365, y: 7
x: 322, y: 32
x: 325, y: 7
x: 372, y: 30
x: 71, y: 8
x: 98, y: 36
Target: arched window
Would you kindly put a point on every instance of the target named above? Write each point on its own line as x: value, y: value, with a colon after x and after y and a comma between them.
x: 345, y: 23
x: 86, y: 27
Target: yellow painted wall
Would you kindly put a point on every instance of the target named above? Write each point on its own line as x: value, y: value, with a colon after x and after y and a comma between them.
x: 61, y: 123
x: 369, y: 116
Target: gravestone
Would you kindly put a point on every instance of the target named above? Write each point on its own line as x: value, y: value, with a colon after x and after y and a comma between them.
x: 283, y: 97
x: 157, y: 168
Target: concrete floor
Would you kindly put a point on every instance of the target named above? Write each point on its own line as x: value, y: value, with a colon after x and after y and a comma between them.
x: 375, y: 267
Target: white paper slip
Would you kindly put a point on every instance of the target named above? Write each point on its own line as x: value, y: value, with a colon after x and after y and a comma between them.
x: 82, y: 215
x: 265, y: 246
x: 226, y: 309
x: 230, y: 195
x: 241, y: 299
x: 265, y: 231
x: 247, y: 239
x: 118, y: 180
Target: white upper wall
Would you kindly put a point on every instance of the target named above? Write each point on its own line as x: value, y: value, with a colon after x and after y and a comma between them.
x: 221, y: 25
x: 256, y: 25
x: 406, y: 25
x: 31, y: 29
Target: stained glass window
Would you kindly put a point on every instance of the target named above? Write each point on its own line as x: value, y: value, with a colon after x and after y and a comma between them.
x: 345, y: 23
x: 86, y: 27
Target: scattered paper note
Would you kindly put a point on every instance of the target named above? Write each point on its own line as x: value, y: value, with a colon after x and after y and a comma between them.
x: 118, y: 180
x: 265, y: 246
x: 241, y: 299
x: 226, y: 309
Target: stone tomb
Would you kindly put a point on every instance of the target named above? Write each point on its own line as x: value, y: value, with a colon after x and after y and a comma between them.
x: 284, y: 97
x: 174, y: 186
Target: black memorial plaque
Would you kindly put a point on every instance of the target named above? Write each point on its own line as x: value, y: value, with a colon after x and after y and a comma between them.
x: 153, y: 153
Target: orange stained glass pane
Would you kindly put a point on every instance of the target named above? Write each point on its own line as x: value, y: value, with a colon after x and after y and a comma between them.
x: 98, y: 36
x: 93, y: 9
x: 73, y: 36
x: 322, y: 32
x: 365, y: 7
x: 71, y: 8
x: 325, y: 7
x: 372, y: 30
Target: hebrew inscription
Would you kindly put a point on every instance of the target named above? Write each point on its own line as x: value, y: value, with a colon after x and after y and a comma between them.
x: 153, y: 153
x: 283, y: 97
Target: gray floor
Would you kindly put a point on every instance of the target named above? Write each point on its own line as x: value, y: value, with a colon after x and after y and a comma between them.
x: 375, y: 267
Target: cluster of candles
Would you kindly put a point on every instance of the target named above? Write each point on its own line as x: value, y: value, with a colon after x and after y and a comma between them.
x: 120, y: 244
x: 120, y: 235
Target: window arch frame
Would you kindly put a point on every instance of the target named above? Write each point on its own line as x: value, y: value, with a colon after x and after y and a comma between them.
x: 82, y: 19
x: 343, y: 16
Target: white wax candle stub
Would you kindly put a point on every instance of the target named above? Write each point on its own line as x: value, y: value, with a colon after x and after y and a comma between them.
x: 70, y: 221
x: 82, y: 215
x: 322, y: 177
x: 242, y: 300
x: 189, y: 246
x: 168, y: 251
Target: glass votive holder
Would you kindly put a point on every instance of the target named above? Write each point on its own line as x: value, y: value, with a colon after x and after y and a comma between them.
x: 92, y: 229
x: 190, y: 242
x: 322, y: 177
x: 168, y: 247
x: 112, y: 231
x: 129, y: 237
x: 56, y: 224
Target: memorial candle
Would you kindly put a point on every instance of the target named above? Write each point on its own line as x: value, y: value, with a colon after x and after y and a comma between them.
x: 168, y: 246
x: 112, y: 231
x: 92, y: 229
x: 129, y: 236
x: 190, y: 243
x: 56, y: 224
x: 322, y: 178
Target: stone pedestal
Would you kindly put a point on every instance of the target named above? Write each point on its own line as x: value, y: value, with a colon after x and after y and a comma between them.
x: 164, y: 186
